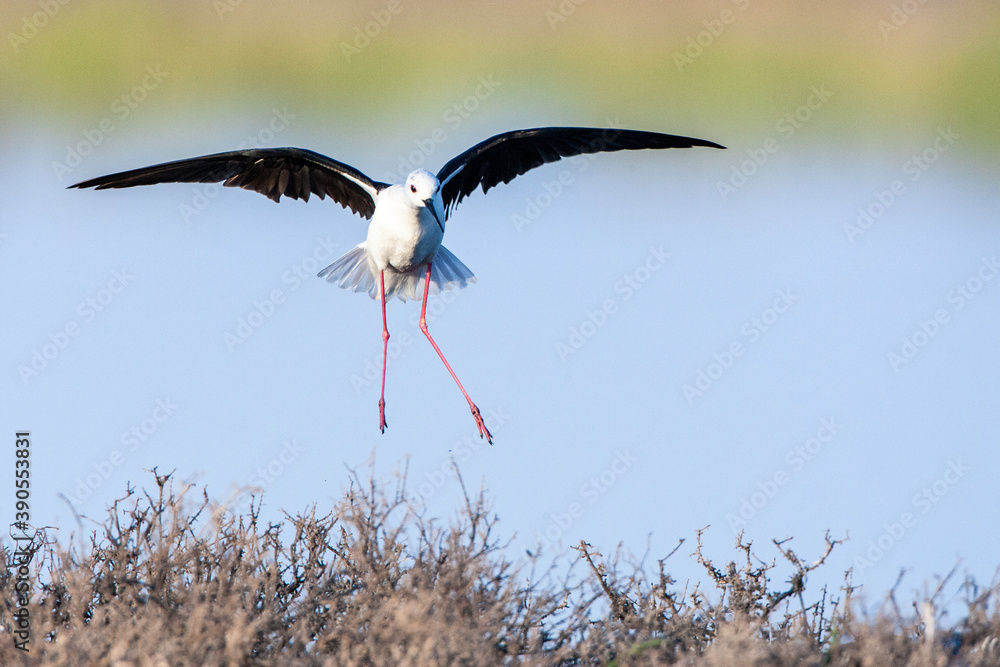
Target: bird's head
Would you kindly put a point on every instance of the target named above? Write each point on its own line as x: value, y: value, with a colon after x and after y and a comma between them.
x: 423, y: 189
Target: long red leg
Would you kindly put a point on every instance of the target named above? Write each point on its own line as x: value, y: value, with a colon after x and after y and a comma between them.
x: 385, y: 350
x: 483, y: 431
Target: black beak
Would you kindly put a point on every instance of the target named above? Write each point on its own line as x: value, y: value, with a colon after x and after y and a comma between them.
x: 430, y: 206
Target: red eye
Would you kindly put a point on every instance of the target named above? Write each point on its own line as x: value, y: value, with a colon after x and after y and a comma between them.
x: 413, y: 189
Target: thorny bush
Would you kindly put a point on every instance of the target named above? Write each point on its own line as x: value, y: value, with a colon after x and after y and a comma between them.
x: 167, y: 581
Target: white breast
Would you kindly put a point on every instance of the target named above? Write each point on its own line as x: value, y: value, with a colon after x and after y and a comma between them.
x: 401, y: 236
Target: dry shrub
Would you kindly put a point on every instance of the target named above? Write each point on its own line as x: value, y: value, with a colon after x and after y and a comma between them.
x: 169, y: 581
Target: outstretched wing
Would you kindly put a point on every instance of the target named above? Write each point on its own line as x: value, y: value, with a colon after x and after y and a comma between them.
x: 505, y: 156
x: 293, y: 172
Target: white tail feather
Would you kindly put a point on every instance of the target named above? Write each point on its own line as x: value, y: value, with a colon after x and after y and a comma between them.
x: 357, y: 272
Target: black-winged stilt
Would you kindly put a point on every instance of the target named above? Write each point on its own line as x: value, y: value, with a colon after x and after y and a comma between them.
x: 402, y: 254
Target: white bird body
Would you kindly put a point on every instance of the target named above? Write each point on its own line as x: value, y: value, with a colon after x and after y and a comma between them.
x: 404, y: 236
x: 402, y: 255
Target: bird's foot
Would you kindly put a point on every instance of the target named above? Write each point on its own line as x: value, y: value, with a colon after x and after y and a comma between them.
x: 480, y: 424
x: 381, y: 414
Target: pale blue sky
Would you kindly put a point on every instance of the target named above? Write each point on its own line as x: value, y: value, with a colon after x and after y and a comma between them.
x: 779, y: 319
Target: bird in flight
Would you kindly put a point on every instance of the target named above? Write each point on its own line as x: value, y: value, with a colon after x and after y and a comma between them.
x: 402, y: 255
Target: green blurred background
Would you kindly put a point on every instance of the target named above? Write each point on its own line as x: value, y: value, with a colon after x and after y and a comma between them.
x: 728, y: 68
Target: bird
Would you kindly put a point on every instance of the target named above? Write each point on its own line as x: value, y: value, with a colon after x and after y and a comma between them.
x: 402, y: 255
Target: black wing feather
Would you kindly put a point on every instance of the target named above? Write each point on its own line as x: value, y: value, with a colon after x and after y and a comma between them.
x: 273, y: 172
x: 502, y: 158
